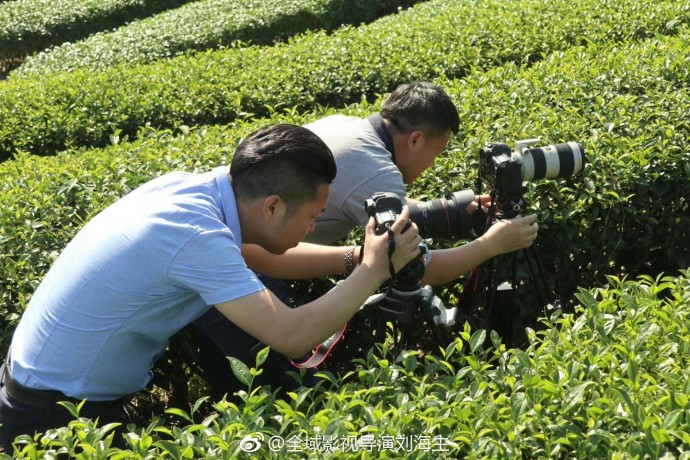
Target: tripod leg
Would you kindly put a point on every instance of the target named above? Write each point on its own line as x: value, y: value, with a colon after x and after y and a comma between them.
x: 537, y: 274
x: 381, y: 325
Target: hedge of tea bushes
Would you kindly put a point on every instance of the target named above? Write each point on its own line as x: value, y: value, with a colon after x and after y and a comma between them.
x: 610, y: 381
x: 27, y: 26
x: 626, y: 214
x: 202, y: 25
x: 451, y: 38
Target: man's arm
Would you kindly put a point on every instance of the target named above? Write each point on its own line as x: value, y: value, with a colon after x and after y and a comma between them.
x: 293, y: 332
x: 302, y: 262
x: 505, y: 236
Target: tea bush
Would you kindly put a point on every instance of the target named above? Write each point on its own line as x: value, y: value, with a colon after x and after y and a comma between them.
x: 203, y: 25
x: 82, y: 108
x: 606, y: 381
x: 27, y: 26
x: 610, y: 381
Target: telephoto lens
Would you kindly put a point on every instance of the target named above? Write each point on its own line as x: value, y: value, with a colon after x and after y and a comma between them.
x: 551, y: 161
x: 442, y: 218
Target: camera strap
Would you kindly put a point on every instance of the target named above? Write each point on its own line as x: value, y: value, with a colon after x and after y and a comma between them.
x: 321, y: 352
x: 324, y: 349
x: 391, y: 250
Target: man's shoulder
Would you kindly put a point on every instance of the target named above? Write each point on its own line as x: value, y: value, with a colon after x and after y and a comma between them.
x: 338, y: 123
x: 346, y: 135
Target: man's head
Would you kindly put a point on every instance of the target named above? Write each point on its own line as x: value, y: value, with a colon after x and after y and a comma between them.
x: 284, y: 171
x: 422, y: 118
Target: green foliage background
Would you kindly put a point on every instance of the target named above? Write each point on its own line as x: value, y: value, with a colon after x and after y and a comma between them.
x: 606, y: 378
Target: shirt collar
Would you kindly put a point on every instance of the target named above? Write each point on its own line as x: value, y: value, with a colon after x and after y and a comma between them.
x: 228, y: 201
x: 382, y: 132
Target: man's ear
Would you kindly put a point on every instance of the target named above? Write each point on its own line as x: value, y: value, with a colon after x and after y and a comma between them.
x: 271, y: 206
x: 414, y: 139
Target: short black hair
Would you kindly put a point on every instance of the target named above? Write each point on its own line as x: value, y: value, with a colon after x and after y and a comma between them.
x: 423, y: 106
x: 285, y: 160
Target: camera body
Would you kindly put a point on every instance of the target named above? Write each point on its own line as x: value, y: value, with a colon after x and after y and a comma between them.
x: 508, y: 171
x: 385, y: 207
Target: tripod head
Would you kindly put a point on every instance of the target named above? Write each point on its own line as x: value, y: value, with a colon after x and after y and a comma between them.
x: 407, y: 311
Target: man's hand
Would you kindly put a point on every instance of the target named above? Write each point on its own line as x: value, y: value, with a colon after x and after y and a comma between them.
x: 376, y: 246
x: 510, y: 235
x: 480, y: 200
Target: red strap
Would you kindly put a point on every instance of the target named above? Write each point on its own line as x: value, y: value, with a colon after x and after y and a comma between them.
x: 321, y: 352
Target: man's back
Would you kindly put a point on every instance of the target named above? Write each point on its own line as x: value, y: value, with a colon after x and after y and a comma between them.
x: 123, y: 286
x: 364, y: 167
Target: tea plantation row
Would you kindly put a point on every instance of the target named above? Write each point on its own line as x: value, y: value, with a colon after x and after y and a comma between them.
x: 204, y: 25
x: 607, y: 382
x: 27, y: 26
x: 628, y: 214
x: 450, y: 38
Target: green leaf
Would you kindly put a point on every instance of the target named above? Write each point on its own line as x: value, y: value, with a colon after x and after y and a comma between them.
x: 519, y: 404
x: 72, y: 408
x: 241, y: 371
x: 261, y: 356
x: 576, y: 395
x: 179, y: 413
x: 477, y: 340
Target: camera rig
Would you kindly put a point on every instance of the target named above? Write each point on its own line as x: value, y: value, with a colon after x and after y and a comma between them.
x: 502, y: 288
x: 405, y: 301
x: 492, y: 290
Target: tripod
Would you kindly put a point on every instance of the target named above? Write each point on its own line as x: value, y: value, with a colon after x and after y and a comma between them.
x: 499, y: 290
x: 406, y: 310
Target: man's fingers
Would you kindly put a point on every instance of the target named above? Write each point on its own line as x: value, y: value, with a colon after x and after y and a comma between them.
x: 401, y: 221
x: 529, y: 220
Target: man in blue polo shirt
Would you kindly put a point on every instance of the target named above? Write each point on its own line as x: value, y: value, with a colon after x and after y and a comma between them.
x: 163, y: 255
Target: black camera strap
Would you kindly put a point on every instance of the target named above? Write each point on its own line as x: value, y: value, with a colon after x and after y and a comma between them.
x: 391, y: 250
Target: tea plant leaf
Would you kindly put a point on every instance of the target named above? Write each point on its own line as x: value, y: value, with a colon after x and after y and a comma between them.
x: 261, y: 356
x: 179, y: 413
x: 241, y: 371
x: 477, y: 340
x: 576, y: 395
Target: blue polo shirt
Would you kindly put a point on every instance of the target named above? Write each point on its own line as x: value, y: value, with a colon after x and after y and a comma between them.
x: 136, y: 274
